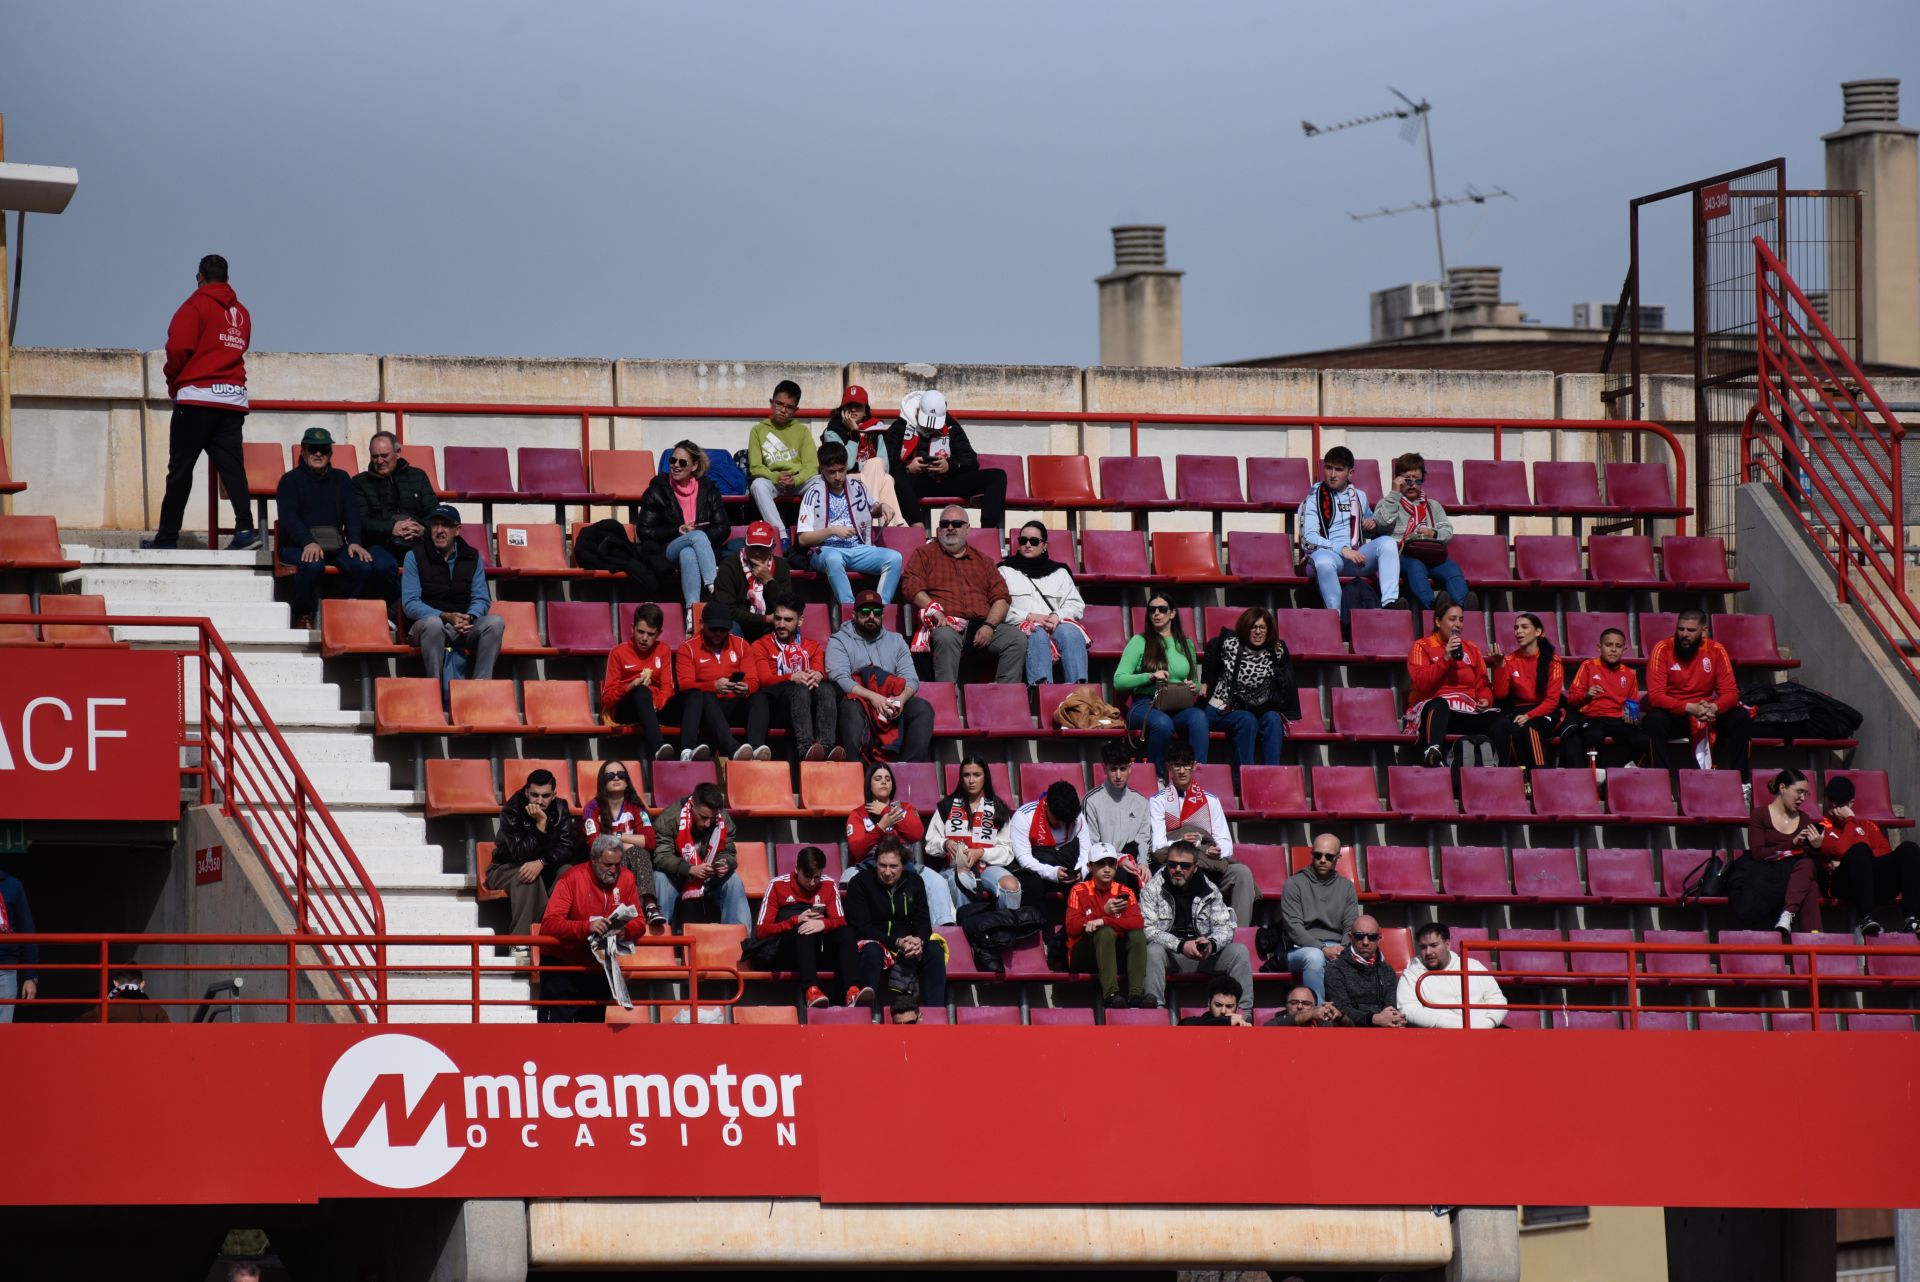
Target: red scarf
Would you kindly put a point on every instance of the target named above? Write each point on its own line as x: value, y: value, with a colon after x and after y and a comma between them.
x: 1192, y: 804
x: 940, y: 448
x: 789, y: 657
x: 923, y: 630
x: 977, y: 834
x: 6, y: 923
x: 1417, y: 515
x: 869, y: 437
x: 1041, y: 833
x: 883, y: 737
x: 756, y: 590
x: 689, y: 846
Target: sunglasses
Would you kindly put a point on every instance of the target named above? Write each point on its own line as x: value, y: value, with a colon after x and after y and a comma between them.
x: 872, y: 611
x: 1033, y: 543
x: 616, y: 774
x: 1174, y: 863
x: 1159, y: 609
x: 953, y: 525
x: 319, y: 449
x: 1366, y: 935
x: 1330, y: 858
x: 681, y: 462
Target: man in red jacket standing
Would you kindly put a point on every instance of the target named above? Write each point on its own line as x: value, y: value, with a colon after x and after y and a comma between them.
x: 206, y: 374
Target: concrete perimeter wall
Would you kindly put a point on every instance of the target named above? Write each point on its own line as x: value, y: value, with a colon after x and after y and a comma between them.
x: 90, y: 426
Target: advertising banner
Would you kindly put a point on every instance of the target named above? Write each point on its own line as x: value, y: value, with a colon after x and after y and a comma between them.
x: 89, y: 734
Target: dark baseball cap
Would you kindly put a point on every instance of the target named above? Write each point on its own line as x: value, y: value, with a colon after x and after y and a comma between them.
x: 445, y: 512
x: 869, y: 597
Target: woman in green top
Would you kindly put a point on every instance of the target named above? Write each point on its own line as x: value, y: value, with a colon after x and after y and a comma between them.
x: 780, y: 456
x: 1161, y: 657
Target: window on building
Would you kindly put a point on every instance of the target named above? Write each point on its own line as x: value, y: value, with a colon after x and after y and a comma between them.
x: 1540, y: 1217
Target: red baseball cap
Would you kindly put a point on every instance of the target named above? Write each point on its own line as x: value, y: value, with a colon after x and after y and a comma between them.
x: 868, y: 597
x: 855, y: 395
x: 762, y: 535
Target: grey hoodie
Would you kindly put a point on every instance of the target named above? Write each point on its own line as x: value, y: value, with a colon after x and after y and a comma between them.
x: 1317, y: 910
x: 848, y: 652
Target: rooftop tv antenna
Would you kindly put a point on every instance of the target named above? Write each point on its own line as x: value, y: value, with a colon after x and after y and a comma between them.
x: 1416, y: 121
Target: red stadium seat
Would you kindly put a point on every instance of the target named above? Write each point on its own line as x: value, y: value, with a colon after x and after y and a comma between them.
x: 944, y: 698
x: 408, y: 705
x: 1062, y: 481
x: 1494, y: 793
x: 831, y: 789
x: 560, y: 707
x: 1385, y: 636
x: 1622, y: 562
x: 12, y: 634
x: 1496, y: 485
x: 1311, y: 634
x: 1208, y: 482
x: 1726, y: 1021
x: 265, y: 466
x: 1312, y: 725
x: 486, y: 707
x: 1601, y: 964
x: 1299, y: 857
x: 1657, y: 626
x: 1750, y: 642
x: 918, y: 784
x: 1476, y: 629
x: 986, y: 1015
x: 1801, y: 1022
x: 1396, y: 945
x: 1541, y: 962
x: 1115, y: 556
x: 76, y: 636
x: 549, y: 475
x: 904, y: 539
x: 1423, y: 795
x: 1188, y: 557
x: 764, y: 1014
x: 7, y: 484
x: 1134, y: 484
x: 1274, y: 792
x: 31, y: 543
x: 1871, y: 800
x: 521, y: 635
x: 1583, y: 634
x: 1548, y: 561
x: 832, y: 1016
x: 474, y: 472
x: 1261, y: 556
x: 482, y: 860
x: 536, y: 552
x: 1677, y: 864
x: 1015, y: 466
x: 1640, y: 796
x: 1482, y: 559
x: 762, y: 789
x: 998, y: 711
x: 1753, y: 965
x: 1067, y: 1017
x: 1569, y: 489
x: 1441, y: 486
x: 1346, y: 792
x: 1120, y: 1017
x: 358, y: 628
x: 1278, y: 484
x: 1036, y: 775
x: 1697, y: 562
x: 1622, y: 875
x: 1364, y: 714
x: 1587, y: 1021
x: 1882, y: 966
x: 1543, y: 874
x: 1475, y: 873
x: 1567, y: 796
x: 1677, y: 963
x: 462, y: 787
x: 1268, y: 864
x: 1108, y: 628
x: 580, y: 627
x: 621, y: 475
x: 514, y: 772
x: 1366, y: 478
x: 1642, y: 489
x: 675, y: 780
x: 1712, y: 796
x: 1502, y: 630
x: 1052, y: 695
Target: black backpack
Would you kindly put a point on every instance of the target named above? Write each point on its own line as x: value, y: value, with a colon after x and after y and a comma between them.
x: 1789, y: 710
x: 604, y: 545
x: 1356, y: 594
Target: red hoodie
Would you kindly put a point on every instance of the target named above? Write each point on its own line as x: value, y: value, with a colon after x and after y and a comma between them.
x: 695, y: 667
x: 577, y: 899
x: 206, y: 345
x: 624, y: 667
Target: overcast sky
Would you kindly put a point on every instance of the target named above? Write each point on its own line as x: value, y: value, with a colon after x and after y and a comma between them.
x: 874, y: 181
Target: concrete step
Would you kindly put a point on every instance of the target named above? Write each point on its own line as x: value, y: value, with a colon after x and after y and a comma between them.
x: 236, y: 617
x: 462, y: 1015
x: 294, y: 666
x: 452, y: 995
x: 183, y: 558
x: 384, y: 827
x: 148, y: 584
x: 403, y: 862
x: 237, y: 639
x: 431, y: 912
x: 342, y: 782
x: 329, y: 747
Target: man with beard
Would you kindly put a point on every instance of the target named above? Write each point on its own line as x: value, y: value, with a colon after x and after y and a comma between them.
x: 963, y: 604
x: 1691, y: 695
x: 794, y: 691
x: 1189, y: 929
x: 584, y: 898
x: 874, y: 670
x: 443, y: 593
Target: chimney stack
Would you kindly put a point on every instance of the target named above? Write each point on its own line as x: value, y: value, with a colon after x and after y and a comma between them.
x: 1473, y: 286
x: 1140, y: 301
x: 1875, y: 154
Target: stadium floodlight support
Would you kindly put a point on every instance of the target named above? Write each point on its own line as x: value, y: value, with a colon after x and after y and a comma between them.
x: 36, y: 189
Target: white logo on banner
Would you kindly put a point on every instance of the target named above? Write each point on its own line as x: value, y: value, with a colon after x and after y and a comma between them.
x: 385, y: 1109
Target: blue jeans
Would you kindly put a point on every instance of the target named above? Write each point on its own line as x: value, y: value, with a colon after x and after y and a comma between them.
x: 733, y: 899
x: 304, y: 596
x: 1311, y: 965
x: 963, y: 887
x: 1380, y: 553
x: 693, y: 553
x: 1073, y: 654
x: 1246, y: 729
x: 834, y: 562
x: 1159, y: 727
x: 9, y: 989
x: 1420, y: 578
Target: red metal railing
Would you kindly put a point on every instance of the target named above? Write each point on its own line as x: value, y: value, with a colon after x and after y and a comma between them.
x: 1822, y: 437
x: 1636, y: 979
x: 293, y: 960
x: 246, y: 768
x: 1500, y: 428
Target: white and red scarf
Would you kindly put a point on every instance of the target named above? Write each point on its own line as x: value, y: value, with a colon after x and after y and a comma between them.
x: 1418, y: 515
x: 1041, y: 833
x: 689, y: 845
x: 1193, y: 802
x: 870, y: 433
x: 923, y: 631
x: 939, y: 442
x: 789, y: 657
x: 977, y: 833
x: 756, y: 590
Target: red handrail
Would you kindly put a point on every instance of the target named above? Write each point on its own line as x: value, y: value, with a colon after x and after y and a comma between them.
x: 1634, y: 978
x: 101, y: 965
x: 1809, y: 423
x: 1318, y: 424
x: 247, y: 767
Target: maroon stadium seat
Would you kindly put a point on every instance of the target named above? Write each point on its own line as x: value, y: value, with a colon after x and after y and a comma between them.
x: 1871, y: 799
x: 1367, y: 714
x: 1587, y: 1021
x: 1677, y: 963
x: 986, y: 1015
x: 1053, y: 694
x: 1761, y: 965
x: 998, y: 711
x: 918, y: 784
x: 904, y: 539
x: 1750, y: 642
x: 1278, y: 484
x: 1622, y: 874
x: 1670, y: 1021
x: 944, y: 698
x: 1482, y: 558
x: 1583, y: 634
x: 1015, y: 466
x: 1712, y: 796
x: 1385, y: 636
x: 1642, y: 489
x: 1569, y: 489
x: 1496, y: 485
x: 1346, y: 792
x: 555, y: 476
x: 1422, y: 794
x: 1268, y: 864
x: 1134, y: 484
x: 835, y: 1015
x: 1474, y: 873
x: 1121, y: 1017
x: 1476, y: 628
x: 1548, y: 561
x: 1503, y: 629
x: 1115, y: 556
x: 1544, y: 874
x: 1611, y: 964
x: 1801, y: 1022
x: 1441, y: 486
x: 1678, y: 863
x: 1366, y: 478
x: 1312, y: 726
x: 1261, y: 556
x: 1879, y: 1022
x: 1036, y: 775
x: 673, y: 623
x: 1400, y: 872
x: 1495, y: 793
x: 1274, y: 792
x: 1311, y: 634
x: 1566, y: 796
x: 1697, y: 562
x: 1208, y: 482
x: 1539, y: 962
x: 673, y: 780
x: 1108, y: 628
x: 1623, y: 562
x: 580, y: 627
x: 1061, y: 1017
x: 479, y: 472
x: 1881, y: 966
x: 1640, y: 796
x: 1728, y: 1021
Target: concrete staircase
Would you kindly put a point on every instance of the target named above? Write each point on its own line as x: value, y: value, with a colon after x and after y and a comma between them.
x: 424, y: 891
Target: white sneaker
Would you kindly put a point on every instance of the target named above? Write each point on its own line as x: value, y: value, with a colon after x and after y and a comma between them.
x: 743, y: 753
x: 763, y: 753
x: 686, y: 754
x: 1746, y: 794
x: 702, y: 753
x: 1785, y: 923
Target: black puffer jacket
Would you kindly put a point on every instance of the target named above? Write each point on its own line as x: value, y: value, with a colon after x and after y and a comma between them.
x: 1360, y: 991
x: 656, y: 517
x: 516, y: 840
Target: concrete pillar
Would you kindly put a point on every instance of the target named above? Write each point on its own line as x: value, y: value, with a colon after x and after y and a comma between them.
x: 487, y: 1242
x: 1906, y: 1246
x: 1873, y: 153
x: 1140, y: 301
x: 1486, y: 1245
